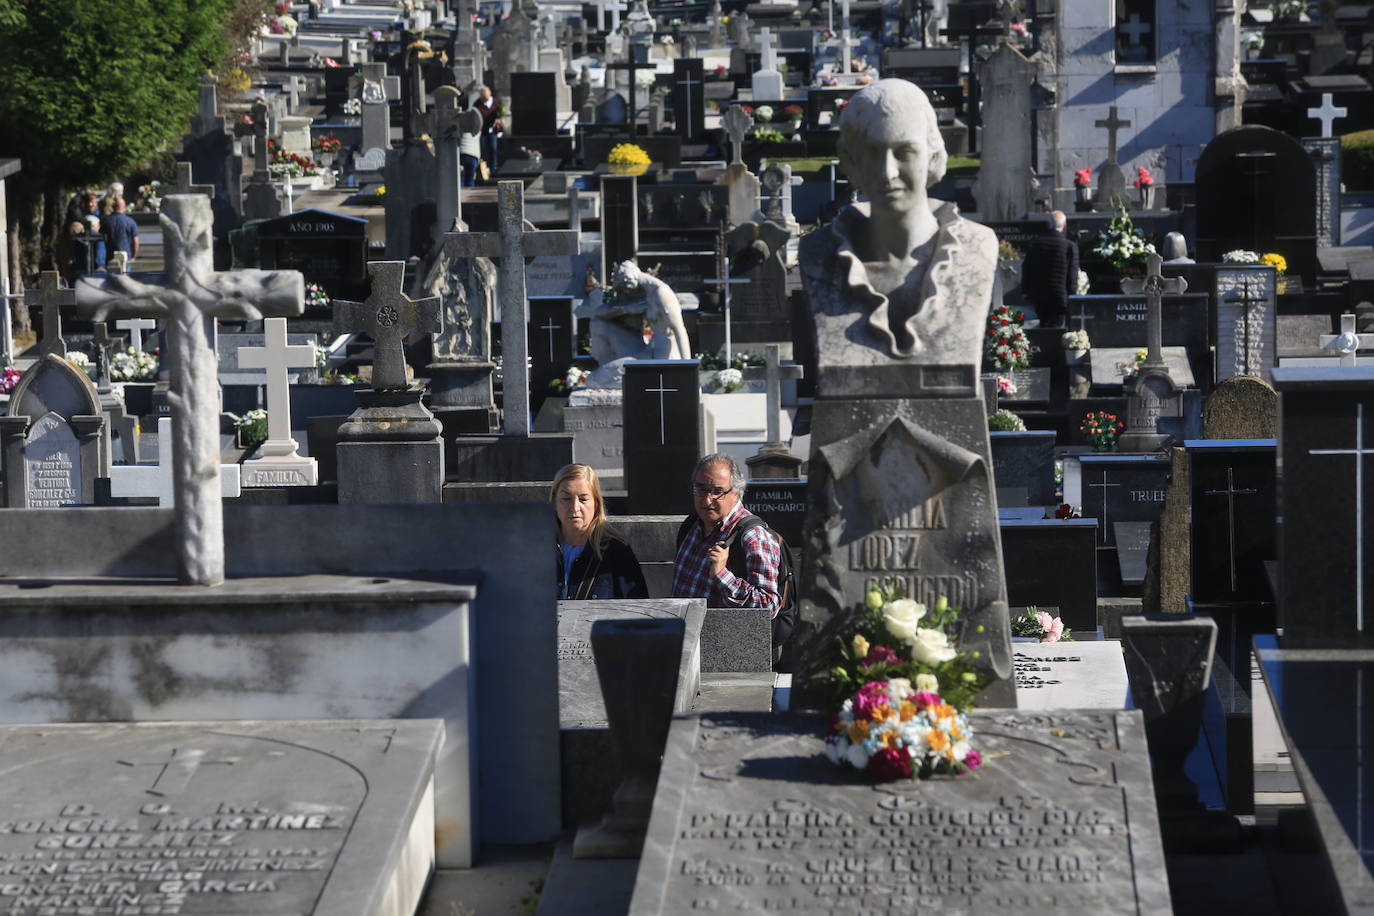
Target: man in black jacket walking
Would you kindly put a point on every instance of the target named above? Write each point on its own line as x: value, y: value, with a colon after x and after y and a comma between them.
x: 1049, y: 274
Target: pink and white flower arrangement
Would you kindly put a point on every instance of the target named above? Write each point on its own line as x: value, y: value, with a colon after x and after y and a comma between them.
x: 895, y: 731
x: 1040, y: 626
x: 1005, y: 385
x: 9, y: 379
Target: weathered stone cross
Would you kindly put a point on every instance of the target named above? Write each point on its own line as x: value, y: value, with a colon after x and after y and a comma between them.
x: 516, y: 241
x: 51, y: 294
x: 389, y: 316
x: 737, y: 123
x: 190, y: 295
x: 257, y: 129
x: 775, y: 372
x: 1112, y: 124
x: 184, y: 183
x: 1155, y: 287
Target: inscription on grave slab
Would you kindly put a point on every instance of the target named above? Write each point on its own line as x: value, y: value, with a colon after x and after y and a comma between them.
x: 52, y: 461
x: 751, y: 817
x: 1071, y: 674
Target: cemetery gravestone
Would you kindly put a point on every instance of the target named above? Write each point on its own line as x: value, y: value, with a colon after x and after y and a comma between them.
x: 50, y: 296
x: 1053, y: 563
x: 598, y: 432
x: 156, y: 481
x: 1078, y: 674
x: 1023, y: 467
x: 1325, y: 153
x: 619, y: 221
x: 327, y: 248
x: 662, y: 434
x: 728, y: 798
x: 319, y: 817
x: 277, y: 462
x: 689, y: 112
x: 534, y: 104
x: 552, y: 337
x: 1123, y: 488
x: 1241, y: 408
x: 1246, y: 306
x: 51, y: 438
x: 1233, y: 514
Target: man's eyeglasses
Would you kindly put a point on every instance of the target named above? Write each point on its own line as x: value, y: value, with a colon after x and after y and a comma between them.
x: 710, y: 492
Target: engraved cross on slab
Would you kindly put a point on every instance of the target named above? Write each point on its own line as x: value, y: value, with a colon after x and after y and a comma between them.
x: 51, y: 295
x: 1103, y: 486
x: 1082, y: 316
x: 1247, y: 302
x: 184, y: 183
x: 662, y: 413
x: 1359, y: 452
x: 516, y: 241
x: 1155, y: 287
x: 1112, y: 124
x: 1231, y: 493
x: 177, y: 771
x: 1327, y: 114
x: 388, y: 315
x: 1347, y: 343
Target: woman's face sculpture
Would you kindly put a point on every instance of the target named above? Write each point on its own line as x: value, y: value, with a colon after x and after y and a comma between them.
x: 890, y: 168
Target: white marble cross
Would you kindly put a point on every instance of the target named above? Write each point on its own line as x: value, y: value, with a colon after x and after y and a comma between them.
x: 1327, y: 114
x: 768, y: 59
x: 277, y: 356
x: 146, y: 480
x: 136, y: 327
x: 737, y: 123
x: 1360, y: 452
x: 1347, y: 343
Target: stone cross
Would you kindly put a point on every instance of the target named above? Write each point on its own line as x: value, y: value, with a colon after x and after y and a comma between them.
x: 737, y: 123
x: 775, y: 372
x: 208, y: 120
x: 277, y: 356
x: 1231, y: 493
x: 51, y: 294
x: 190, y: 294
x: 450, y: 124
x: 1155, y: 287
x: 725, y: 283
x: 294, y: 87
x: 136, y: 327
x: 516, y: 241
x: 633, y: 66
x: 1360, y: 453
x: 158, y: 480
x: 1327, y: 114
x: 768, y: 59
x: 1112, y: 124
x: 1137, y: 30
x: 184, y: 183
x: 389, y: 316
x: 1346, y: 343
x: 257, y: 129
x: 103, y: 343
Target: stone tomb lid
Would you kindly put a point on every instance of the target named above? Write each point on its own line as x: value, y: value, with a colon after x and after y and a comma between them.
x: 751, y: 816
x: 1079, y: 674
x: 579, y: 689
x: 323, y: 817
x: 1107, y: 363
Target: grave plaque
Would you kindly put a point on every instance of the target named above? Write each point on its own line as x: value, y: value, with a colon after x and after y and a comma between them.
x: 1246, y: 309
x: 1056, y: 675
x: 327, y: 248
x: 52, y: 464
x: 781, y: 503
x: 1023, y: 467
x: 1123, y: 488
x: 51, y: 438
x: 751, y: 816
x: 1052, y: 562
x: 232, y: 818
x: 1032, y: 385
x: 1120, y: 321
x: 662, y: 434
x: 1233, y: 511
x: 551, y: 339
x: 1112, y: 365
x: 598, y: 432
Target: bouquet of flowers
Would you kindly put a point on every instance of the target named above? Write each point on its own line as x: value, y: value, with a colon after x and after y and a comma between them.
x: 316, y: 297
x: 1101, y: 429
x: 768, y: 135
x: 79, y: 360
x: 1083, y: 284
x: 1076, y: 340
x: 628, y: 158
x: 1082, y: 177
x: 721, y: 72
x: 353, y: 107
x: 1004, y: 421
x: 794, y: 113
x: 1276, y: 261
x: 728, y: 380
x: 763, y: 114
x: 1041, y: 626
x: 1142, y: 177
x: 1005, y: 385
x: 321, y: 355
x: 133, y: 366
x: 282, y: 164
x: 741, y: 359
x: 1006, y: 344
x: 1006, y: 251
x: 575, y: 378
x: 252, y: 427
x: 149, y: 199
x: 1122, y: 244
x: 9, y: 378
x: 326, y: 144
x: 895, y: 731
x: 1240, y: 256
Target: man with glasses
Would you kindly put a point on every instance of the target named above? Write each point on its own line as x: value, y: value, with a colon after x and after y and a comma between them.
x: 701, y: 568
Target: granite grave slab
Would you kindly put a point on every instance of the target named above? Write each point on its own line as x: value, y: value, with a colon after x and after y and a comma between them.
x: 1052, y: 562
x: 1123, y: 488
x: 1081, y: 674
x: 1234, y: 513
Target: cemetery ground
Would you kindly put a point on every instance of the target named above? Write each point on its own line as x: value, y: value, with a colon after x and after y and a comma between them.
x: 276, y: 626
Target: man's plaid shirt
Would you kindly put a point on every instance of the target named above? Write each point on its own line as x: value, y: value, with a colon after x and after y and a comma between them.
x: 692, y: 567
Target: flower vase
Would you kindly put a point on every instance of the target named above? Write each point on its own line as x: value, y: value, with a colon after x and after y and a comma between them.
x: 1147, y: 196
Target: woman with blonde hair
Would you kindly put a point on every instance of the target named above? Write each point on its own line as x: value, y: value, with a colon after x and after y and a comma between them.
x: 593, y: 561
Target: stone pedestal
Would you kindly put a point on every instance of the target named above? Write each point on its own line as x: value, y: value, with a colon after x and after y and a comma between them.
x: 774, y: 461
x: 391, y: 451
x: 461, y: 395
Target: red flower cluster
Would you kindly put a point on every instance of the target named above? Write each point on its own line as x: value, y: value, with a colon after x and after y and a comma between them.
x: 1142, y: 177
x: 1101, y: 428
x: 794, y: 112
x: 327, y: 144
x: 1082, y: 177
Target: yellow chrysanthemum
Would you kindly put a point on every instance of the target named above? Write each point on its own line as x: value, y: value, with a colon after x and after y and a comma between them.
x: 858, y: 732
x: 889, y: 739
x: 906, y: 711
x: 937, y: 740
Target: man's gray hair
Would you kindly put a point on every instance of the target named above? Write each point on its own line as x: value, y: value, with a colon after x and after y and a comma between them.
x: 1058, y: 220
x: 737, y: 481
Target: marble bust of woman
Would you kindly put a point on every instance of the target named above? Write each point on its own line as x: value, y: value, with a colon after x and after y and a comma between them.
x: 899, y: 276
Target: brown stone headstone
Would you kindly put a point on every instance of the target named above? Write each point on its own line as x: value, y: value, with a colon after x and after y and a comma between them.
x: 1241, y: 407
x: 1167, y: 569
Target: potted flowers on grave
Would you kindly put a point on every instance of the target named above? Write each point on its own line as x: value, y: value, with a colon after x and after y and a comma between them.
x: 1082, y: 187
x: 1240, y: 256
x: 628, y: 159
x: 293, y: 167
x: 1101, y: 428
x: 1006, y: 386
x: 251, y: 429
x: 326, y: 148
x: 1145, y: 185
x: 1282, y: 282
x: 1122, y: 245
x: 79, y: 360
x: 149, y: 199
x: 718, y: 377
x: 1004, y: 421
x: 1006, y: 344
x: 317, y: 301
x: 1076, y: 346
x: 1036, y: 625
x: 574, y: 378
x: 9, y: 377
x: 132, y: 365
x: 900, y: 687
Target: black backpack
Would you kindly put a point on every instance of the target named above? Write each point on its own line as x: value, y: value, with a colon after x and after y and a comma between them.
x: 738, y: 564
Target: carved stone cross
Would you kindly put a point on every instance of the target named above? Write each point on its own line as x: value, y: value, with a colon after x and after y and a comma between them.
x: 257, y: 129
x: 175, y: 773
x: 389, y: 316
x: 190, y: 295
x: 516, y: 241
x: 737, y: 123
x: 775, y: 372
x: 184, y: 183
x: 51, y: 295
x: 277, y: 356
x: 1155, y: 287
x: 136, y: 327
x: 1112, y: 124
x: 156, y: 481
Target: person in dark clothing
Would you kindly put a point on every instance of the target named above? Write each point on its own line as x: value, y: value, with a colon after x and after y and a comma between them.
x: 1049, y: 273
x: 593, y: 561
x: 121, y: 230
x: 490, y: 108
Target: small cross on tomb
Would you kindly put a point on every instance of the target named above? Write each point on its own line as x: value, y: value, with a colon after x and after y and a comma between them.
x: 1327, y: 114
x: 277, y: 356
x: 103, y: 343
x: 189, y: 296
x: 51, y: 295
x: 185, y: 183
x: 1104, y: 487
x: 1231, y: 493
x: 768, y: 59
x: 1248, y: 301
x: 294, y: 87
x: 176, y: 772
x: 686, y: 83
x: 1112, y: 124
x: 389, y: 316
x: 1348, y: 342
x: 1137, y: 30
x: 550, y: 327
x: 633, y: 65
x: 1082, y: 316
x: 516, y: 241
x: 737, y: 124
x: 1359, y: 452
x: 662, y: 411
x: 155, y: 481
x: 1155, y: 286
x: 136, y: 327
x: 775, y: 372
